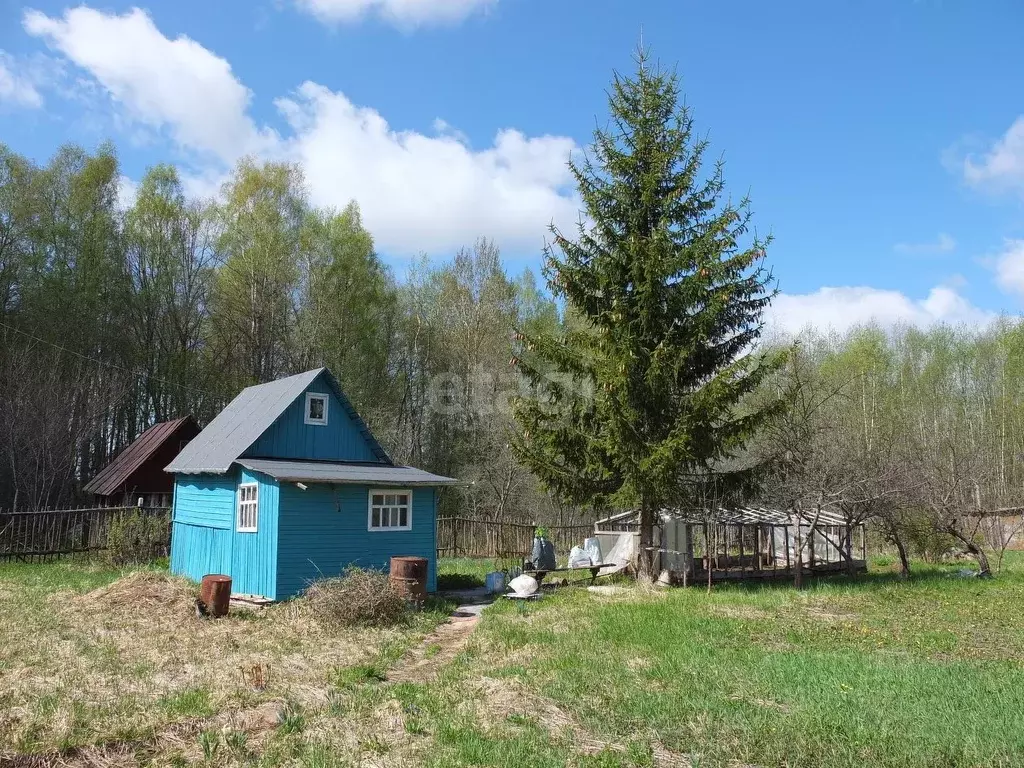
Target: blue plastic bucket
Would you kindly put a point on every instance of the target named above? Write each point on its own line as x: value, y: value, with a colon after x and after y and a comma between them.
x: 495, y: 582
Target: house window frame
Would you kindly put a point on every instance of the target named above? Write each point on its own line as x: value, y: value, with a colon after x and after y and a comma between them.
x: 388, y: 492
x: 253, y: 503
x: 326, y: 401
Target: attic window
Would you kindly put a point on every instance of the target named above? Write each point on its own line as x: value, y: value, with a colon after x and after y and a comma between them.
x: 316, y: 408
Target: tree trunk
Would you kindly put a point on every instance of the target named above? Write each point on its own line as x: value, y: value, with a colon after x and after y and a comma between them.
x: 904, y: 558
x: 848, y: 548
x: 891, y: 533
x: 984, y: 570
x: 645, y: 557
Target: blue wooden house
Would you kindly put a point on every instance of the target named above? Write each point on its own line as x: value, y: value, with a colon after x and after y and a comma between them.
x: 287, y: 485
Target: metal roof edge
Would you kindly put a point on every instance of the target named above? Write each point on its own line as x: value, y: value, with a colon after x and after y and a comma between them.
x: 260, y: 465
x: 193, y: 471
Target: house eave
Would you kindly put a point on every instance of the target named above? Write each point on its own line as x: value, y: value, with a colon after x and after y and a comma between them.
x: 344, y: 473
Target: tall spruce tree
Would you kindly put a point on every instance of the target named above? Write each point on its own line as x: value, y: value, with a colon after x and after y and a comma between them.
x: 642, y: 400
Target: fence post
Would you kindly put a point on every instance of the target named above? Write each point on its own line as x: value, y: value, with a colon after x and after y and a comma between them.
x: 86, y: 526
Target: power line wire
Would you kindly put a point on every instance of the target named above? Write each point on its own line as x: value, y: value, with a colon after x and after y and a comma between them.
x: 222, y: 262
x: 137, y: 374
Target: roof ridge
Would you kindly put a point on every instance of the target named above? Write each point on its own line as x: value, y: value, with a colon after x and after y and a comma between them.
x: 289, y: 377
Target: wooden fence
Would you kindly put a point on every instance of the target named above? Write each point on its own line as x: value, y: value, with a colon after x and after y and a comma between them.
x: 51, y: 534
x: 473, y: 537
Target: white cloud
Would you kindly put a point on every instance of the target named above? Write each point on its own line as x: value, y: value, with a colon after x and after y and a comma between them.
x: 418, y: 192
x: 843, y: 308
x: 1002, y: 165
x: 17, y: 89
x: 421, y: 192
x: 177, y: 84
x: 442, y: 128
x: 404, y: 13
x: 942, y: 244
x: 127, y: 191
x: 1009, y: 267
x: 204, y: 184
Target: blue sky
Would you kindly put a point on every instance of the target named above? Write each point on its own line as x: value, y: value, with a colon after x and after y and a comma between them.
x: 882, y: 141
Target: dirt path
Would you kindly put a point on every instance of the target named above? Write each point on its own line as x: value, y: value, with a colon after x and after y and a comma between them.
x: 422, y: 663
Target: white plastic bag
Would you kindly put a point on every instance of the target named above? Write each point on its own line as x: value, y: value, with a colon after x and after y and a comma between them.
x: 523, y: 586
x: 593, y: 548
x: 578, y: 558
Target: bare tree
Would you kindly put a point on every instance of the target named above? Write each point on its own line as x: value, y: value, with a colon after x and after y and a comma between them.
x: 52, y: 405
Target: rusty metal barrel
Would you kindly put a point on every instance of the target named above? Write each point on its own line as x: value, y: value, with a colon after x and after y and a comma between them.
x: 409, y: 577
x: 215, y: 594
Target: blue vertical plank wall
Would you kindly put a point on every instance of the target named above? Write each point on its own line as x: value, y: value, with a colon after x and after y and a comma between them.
x: 254, y: 554
x: 203, y: 522
x: 323, y: 529
x: 291, y: 438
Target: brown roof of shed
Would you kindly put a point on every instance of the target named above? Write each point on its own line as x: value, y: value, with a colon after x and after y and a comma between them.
x: 113, y: 476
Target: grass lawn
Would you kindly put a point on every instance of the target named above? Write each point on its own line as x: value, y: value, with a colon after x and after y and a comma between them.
x: 108, y: 668
x: 463, y: 572
x: 857, y: 672
x: 860, y: 672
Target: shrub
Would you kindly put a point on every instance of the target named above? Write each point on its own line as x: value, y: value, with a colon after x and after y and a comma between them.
x: 458, y: 581
x: 924, y: 540
x: 136, y: 538
x: 357, y: 598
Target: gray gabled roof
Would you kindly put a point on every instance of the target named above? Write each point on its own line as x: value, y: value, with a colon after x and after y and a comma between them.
x: 251, y: 414
x: 331, y: 472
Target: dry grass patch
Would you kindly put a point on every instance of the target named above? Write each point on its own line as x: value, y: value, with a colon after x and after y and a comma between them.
x: 821, y: 614
x: 124, y: 663
x: 745, y: 612
x: 503, y: 700
x: 422, y: 663
x: 370, y: 733
x: 639, y: 663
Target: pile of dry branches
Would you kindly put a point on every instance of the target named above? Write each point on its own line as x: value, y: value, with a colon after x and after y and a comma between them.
x: 357, y: 598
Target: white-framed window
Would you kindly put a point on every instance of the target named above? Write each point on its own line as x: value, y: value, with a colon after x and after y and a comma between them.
x: 390, y: 510
x: 316, y: 408
x: 247, y: 519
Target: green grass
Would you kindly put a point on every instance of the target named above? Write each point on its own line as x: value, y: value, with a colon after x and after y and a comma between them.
x: 868, y: 671
x: 463, y: 572
x: 191, y: 702
x: 72, y: 575
x: 864, y: 671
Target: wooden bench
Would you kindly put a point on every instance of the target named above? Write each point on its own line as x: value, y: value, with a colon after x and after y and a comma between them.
x: 595, y: 570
